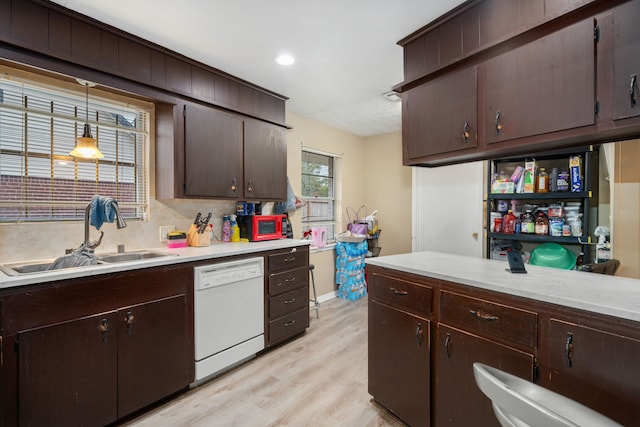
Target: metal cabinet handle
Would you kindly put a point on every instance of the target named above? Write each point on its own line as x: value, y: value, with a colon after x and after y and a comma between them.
x: 484, y: 316
x: 632, y: 90
x: 419, y: 334
x: 568, y: 349
x: 290, y: 259
x: 289, y: 301
x: 291, y: 323
x: 465, y: 132
x: 250, y: 187
x: 447, y: 349
x: 498, y: 123
x: 234, y: 185
x: 104, y: 327
x: 290, y: 280
x: 129, y: 321
x: 397, y: 292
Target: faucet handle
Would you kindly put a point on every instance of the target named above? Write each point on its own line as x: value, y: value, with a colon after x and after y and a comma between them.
x: 96, y: 243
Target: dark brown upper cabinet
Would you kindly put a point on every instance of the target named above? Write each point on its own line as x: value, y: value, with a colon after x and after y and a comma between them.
x: 440, y: 116
x: 265, y: 161
x: 626, y: 61
x: 544, y: 86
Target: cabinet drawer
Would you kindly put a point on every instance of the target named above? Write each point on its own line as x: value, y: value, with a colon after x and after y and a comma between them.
x: 491, y: 320
x: 411, y: 296
x: 288, y: 280
x: 289, y: 325
x: 288, y: 302
x: 296, y: 257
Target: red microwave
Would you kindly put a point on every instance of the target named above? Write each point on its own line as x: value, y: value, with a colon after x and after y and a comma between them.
x: 258, y: 228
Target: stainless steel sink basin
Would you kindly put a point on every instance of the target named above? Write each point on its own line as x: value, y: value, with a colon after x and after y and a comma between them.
x: 32, y: 267
x: 130, y: 256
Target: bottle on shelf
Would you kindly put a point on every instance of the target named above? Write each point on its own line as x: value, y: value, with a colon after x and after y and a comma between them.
x: 235, y: 230
x: 542, y: 224
x: 509, y: 223
x: 528, y: 223
x: 542, y: 185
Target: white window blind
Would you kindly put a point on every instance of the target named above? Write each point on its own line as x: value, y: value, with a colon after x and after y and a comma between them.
x: 318, y: 192
x: 39, y: 181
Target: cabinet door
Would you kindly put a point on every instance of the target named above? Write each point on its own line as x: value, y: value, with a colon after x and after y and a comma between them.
x: 626, y: 60
x: 458, y: 398
x: 152, y: 361
x: 544, y: 86
x: 67, y: 373
x: 440, y: 116
x: 596, y: 368
x: 399, y: 363
x: 213, y: 153
x: 265, y: 161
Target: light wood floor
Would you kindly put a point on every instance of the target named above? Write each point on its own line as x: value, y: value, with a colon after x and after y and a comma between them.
x: 319, y: 379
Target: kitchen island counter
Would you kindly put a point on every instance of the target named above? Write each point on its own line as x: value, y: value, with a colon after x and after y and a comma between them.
x: 180, y: 255
x: 608, y: 295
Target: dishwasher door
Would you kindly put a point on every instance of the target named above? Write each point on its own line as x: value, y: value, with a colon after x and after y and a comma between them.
x: 228, y: 313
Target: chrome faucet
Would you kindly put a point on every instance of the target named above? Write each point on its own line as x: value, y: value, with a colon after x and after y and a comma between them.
x: 120, y: 223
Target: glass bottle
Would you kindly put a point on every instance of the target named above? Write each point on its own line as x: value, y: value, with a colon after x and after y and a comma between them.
x: 542, y: 224
x: 543, y: 181
x: 528, y: 223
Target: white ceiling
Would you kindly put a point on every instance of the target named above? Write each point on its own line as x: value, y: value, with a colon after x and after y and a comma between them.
x: 345, y: 50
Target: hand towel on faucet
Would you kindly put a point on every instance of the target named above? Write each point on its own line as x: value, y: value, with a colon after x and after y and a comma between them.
x: 103, y: 209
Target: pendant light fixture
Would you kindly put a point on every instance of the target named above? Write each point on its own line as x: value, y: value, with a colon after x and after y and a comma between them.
x: 86, y: 146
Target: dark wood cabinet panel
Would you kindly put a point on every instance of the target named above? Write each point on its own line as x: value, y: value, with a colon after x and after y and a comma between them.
x: 151, y: 358
x: 399, y: 363
x: 596, y: 368
x: 459, y: 399
x: 59, y: 35
x: 30, y: 24
x: 5, y: 20
x: 626, y: 60
x: 554, y: 8
x: 135, y: 60
x: 265, y: 161
x: 67, y: 373
x: 288, y: 280
x: 421, y: 56
x: 109, y: 50
x: 441, y: 116
x: 213, y: 153
x: 545, y: 86
x: 202, y: 84
x: 86, y: 42
x: 414, y: 297
x: 178, y: 75
x: 158, y: 69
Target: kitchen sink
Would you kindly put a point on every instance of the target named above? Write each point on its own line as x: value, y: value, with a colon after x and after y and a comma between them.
x: 130, y: 256
x: 32, y: 267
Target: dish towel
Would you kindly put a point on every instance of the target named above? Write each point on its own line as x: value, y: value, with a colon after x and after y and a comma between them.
x: 102, y: 210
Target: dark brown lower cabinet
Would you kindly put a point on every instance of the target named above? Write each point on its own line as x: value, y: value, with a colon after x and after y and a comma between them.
x: 67, y: 373
x: 596, y: 368
x: 97, y: 369
x: 459, y: 400
x: 399, y: 362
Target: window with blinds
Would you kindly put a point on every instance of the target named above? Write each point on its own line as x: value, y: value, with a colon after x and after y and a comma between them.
x: 318, y: 192
x: 39, y: 181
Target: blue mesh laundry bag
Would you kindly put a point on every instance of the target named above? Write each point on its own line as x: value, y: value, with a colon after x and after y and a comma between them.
x: 350, y: 266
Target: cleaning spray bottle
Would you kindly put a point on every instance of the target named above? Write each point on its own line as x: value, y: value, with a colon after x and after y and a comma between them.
x: 235, y: 230
x: 603, y: 248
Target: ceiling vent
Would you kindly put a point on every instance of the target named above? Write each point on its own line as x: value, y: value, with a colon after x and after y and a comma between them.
x: 392, y: 96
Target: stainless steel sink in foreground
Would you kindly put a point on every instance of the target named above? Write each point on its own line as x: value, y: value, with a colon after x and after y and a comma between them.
x: 31, y: 267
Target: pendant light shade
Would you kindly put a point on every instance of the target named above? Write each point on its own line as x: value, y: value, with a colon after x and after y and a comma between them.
x: 86, y: 146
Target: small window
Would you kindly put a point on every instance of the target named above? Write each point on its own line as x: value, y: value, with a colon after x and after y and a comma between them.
x: 318, y: 192
x: 38, y: 127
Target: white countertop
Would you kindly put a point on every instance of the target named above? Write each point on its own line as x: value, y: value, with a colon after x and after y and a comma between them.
x: 598, y: 293
x: 189, y: 254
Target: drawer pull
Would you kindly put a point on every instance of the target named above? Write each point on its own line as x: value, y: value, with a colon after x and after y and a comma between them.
x: 289, y: 301
x: 447, y: 342
x: 484, y: 316
x: 419, y: 334
x: 290, y: 280
x: 291, y: 323
x: 568, y: 349
x: 397, y: 292
x: 290, y: 259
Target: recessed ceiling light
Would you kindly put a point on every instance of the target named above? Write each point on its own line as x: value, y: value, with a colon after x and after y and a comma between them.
x: 285, y: 59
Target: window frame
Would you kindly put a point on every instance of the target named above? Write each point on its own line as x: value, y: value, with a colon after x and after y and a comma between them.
x: 330, y: 223
x: 124, y: 173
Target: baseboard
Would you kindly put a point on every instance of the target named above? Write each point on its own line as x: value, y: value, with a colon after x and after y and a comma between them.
x: 325, y: 297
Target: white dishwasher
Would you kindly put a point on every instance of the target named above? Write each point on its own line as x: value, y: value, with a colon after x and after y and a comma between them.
x: 228, y: 315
